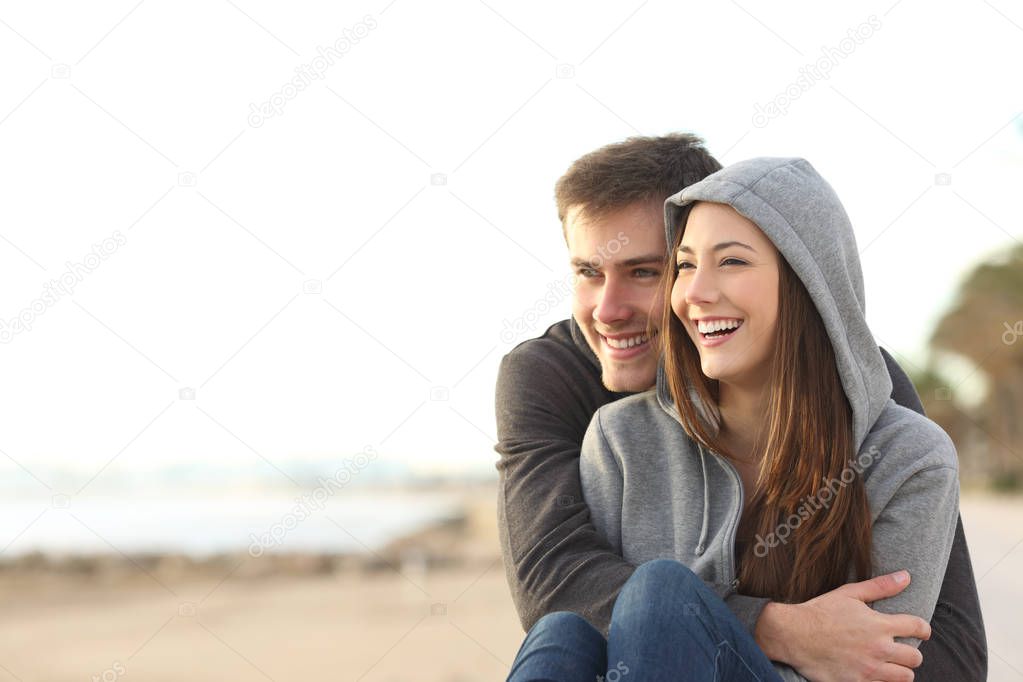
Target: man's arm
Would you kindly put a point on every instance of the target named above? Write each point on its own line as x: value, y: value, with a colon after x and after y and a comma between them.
x: 957, y: 649
x: 903, y: 391
x: 554, y: 558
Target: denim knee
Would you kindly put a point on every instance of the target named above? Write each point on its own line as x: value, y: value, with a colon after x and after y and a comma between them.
x: 561, y: 646
x: 568, y: 628
x: 653, y: 575
x: 656, y: 591
x: 563, y: 621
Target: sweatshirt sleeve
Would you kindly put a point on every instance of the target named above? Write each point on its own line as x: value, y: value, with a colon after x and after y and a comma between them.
x: 601, y: 478
x: 555, y: 560
x: 915, y: 530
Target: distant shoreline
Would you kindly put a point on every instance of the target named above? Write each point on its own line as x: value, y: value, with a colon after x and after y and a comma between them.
x: 435, y: 544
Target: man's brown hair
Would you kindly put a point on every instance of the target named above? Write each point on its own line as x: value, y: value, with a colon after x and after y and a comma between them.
x: 638, y: 169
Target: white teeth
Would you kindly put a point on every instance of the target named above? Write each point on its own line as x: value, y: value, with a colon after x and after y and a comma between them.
x: 627, y: 343
x: 717, y: 325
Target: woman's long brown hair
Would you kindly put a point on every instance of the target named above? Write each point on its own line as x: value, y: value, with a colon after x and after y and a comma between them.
x: 807, y: 440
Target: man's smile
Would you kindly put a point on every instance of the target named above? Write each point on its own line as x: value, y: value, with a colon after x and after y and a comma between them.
x: 625, y: 346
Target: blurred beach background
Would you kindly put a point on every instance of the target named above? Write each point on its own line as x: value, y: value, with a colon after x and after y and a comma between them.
x: 259, y: 264
x: 431, y: 604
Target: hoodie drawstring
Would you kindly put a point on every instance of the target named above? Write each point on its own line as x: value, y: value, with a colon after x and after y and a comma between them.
x: 701, y: 544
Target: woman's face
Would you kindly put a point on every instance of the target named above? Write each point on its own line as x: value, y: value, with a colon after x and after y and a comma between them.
x: 726, y: 293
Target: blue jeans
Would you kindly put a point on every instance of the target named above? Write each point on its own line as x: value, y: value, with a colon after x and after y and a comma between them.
x: 666, y: 625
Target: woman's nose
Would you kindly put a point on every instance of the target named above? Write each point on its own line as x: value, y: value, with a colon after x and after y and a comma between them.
x: 701, y: 287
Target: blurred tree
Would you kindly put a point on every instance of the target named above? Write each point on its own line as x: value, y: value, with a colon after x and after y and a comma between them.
x: 985, y: 327
x: 935, y: 394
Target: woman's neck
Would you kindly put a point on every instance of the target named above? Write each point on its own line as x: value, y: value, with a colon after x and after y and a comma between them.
x: 743, y: 413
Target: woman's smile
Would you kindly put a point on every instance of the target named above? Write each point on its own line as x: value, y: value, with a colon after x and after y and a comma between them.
x: 712, y: 332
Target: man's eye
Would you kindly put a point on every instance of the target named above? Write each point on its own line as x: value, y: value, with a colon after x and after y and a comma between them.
x: 646, y: 272
x: 587, y: 272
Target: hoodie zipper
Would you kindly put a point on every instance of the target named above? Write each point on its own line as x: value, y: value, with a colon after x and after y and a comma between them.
x: 733, y: 579
x: 734, y: 584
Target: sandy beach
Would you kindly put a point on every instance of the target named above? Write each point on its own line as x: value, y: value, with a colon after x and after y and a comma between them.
x: 433, y: 607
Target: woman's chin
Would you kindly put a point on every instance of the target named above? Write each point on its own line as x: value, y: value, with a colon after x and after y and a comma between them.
x: 737, y: 377
x: 712, y: 371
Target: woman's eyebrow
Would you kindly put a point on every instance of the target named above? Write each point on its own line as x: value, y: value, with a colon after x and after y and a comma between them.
x: 719, y: 247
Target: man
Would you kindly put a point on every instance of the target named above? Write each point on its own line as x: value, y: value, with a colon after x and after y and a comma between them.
x: 610, y: 203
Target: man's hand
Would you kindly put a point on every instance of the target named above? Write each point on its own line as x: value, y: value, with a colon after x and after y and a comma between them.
x: 837, y: 637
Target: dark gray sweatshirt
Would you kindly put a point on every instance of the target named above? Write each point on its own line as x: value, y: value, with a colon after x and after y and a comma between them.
x: 654, y: 493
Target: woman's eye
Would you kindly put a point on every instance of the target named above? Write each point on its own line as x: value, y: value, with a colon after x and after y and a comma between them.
x: 686, y: 265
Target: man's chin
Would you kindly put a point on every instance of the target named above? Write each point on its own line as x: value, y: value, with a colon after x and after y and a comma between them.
x: 632, y: 380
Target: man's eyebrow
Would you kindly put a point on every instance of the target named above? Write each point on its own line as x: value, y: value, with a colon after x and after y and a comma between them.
x: 720, y: 247
x: 638, y: 260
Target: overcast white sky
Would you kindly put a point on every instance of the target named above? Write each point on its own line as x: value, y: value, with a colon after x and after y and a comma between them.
x: 134, y: 122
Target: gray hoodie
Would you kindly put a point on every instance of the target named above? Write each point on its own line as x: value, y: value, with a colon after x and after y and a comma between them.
x: 655, y: 493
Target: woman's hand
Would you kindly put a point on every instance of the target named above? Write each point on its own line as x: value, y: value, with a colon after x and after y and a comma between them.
x: 837, y: 637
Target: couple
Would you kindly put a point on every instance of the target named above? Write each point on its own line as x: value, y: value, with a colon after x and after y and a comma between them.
x: 712, y: 471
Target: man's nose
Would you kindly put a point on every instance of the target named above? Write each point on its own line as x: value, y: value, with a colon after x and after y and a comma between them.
x: 613, y: 305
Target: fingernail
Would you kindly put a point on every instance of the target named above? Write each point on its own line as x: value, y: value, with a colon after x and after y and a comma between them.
x: 901, y: 577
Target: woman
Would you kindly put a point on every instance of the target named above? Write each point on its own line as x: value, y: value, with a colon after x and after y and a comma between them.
x: 768, y: 460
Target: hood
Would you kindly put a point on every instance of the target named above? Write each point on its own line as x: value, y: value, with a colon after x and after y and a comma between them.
x: 802, y: 216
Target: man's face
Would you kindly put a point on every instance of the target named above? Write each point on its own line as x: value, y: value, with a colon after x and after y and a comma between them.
x: 617, y: 261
